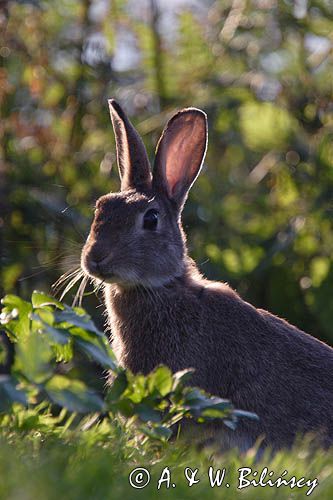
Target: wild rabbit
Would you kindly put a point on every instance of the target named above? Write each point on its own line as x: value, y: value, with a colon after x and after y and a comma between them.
x: 161, y: 310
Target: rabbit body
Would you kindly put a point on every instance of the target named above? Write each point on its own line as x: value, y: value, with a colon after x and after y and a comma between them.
x: 258, y: 361
x: 162, y: 311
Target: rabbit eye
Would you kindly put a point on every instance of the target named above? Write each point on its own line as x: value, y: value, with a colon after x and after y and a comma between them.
x: 150, y: 219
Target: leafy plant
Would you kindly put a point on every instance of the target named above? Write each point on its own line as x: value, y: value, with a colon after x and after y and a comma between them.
x: 47, y: 335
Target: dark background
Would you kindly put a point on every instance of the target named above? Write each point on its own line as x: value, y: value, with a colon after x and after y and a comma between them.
x: 259, y: 216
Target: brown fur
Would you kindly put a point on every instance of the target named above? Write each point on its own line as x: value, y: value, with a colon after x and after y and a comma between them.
x: 161, y: 310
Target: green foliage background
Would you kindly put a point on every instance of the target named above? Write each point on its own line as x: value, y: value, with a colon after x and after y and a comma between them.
x: 260, y: 215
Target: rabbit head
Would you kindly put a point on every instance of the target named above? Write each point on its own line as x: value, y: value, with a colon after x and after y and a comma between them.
x: 136, y: 236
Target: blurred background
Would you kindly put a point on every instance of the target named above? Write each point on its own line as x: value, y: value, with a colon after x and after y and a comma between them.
x: 259, y: 216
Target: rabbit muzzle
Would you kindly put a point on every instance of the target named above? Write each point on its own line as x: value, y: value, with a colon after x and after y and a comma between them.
x: 96, y: 264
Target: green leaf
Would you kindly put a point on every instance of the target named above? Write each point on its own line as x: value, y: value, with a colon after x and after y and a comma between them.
x: 33, y: 357
x: 124, y: 406
x: 73, y: 395
x: 40, y: 299
x: 98, y: 353
x: 214, y: 413
x: 18, y: 322
x: 182, y: 377
x: 195, y: 398
x: 55, y: 335
x: 246, y: 414
x: 161, y: 380
x: 160, y: 433
x: 9, y: 393
x: 137, y: 388
x: 201, y: 404
x: 63, y: 352
x: 13, y: 301
x: 147, y: 413
x: 83, y: 321
x: 231, y: 424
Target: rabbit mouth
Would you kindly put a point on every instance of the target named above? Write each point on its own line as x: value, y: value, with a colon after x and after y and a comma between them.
x: 96, y: 269
x: 100, y: 274
x: 97, y: 273
x: 103, y: 271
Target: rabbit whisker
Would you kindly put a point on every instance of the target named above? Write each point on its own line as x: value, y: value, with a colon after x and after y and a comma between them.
x: 70, y: 285
x: 65, y: 277
x: 79, y: 294
x: 74, y: 279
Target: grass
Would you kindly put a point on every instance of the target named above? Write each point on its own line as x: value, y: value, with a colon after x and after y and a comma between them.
x: 96, y: 464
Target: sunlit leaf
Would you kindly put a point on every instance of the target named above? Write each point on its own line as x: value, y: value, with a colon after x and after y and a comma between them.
x: 39, y: 299
x: 33, y: 357
x: 160, y: 380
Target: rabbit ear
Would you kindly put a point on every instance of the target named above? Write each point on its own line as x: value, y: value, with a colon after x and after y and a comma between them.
x: 180, y: 153
x: 133, y: 163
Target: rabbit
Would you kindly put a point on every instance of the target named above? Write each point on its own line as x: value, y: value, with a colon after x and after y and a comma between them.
x: 161, y: 310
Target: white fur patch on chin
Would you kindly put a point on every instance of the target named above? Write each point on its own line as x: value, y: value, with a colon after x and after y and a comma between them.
x: 129, y: 278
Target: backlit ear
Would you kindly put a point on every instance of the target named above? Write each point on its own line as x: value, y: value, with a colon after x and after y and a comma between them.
x: 133, y: 163
x: 180, y: 153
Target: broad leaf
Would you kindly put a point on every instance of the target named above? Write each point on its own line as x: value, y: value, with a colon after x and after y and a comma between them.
x: 40, y: 299
x: 73, y: 395
x: 55, y: 335
x: 99, y: 354
x: 147, y: 413
x: 15, y: 316
x: 160, y: 380
x: 83, y: 321
x: 10, y: 394
x: 33, y: 357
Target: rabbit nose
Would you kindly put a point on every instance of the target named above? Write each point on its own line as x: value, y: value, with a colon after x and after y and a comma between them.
x: 96, y: 262
x: 95, y: 266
